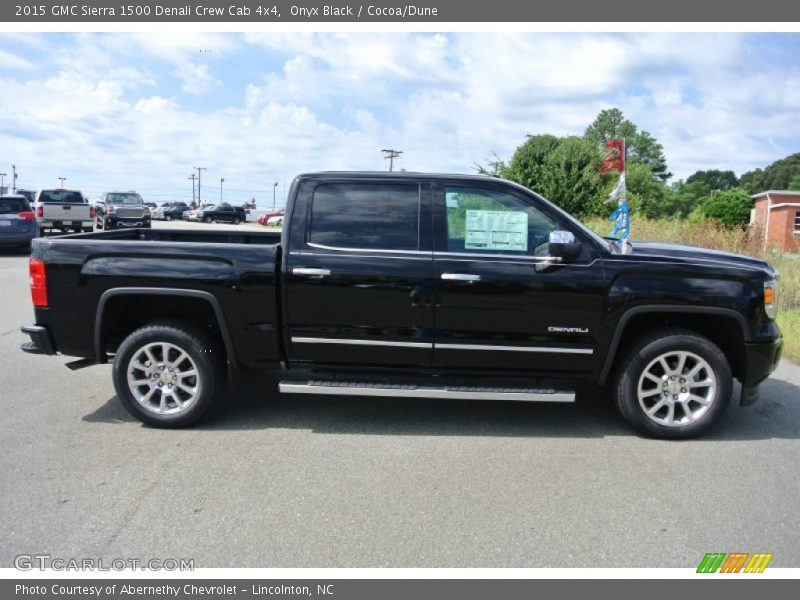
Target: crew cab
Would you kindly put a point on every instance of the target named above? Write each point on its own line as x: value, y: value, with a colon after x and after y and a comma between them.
x: 411, y: 285
x: 65, y: 210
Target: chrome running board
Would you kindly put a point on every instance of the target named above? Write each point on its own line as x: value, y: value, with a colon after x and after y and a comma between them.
x: 343, y: 388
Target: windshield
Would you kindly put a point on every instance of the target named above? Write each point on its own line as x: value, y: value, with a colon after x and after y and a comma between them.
x: 128, y: 199
x: 60, y: 197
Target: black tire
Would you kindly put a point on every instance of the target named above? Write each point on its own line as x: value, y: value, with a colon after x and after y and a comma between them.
x: 168, y: 217
x: 690, y: 417
x: 202, y: 351
x: 236, y: 220
x: 208, y: 219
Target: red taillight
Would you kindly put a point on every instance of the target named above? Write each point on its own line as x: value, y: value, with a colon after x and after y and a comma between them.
x: 40, y: 212
x: 91, y: 212
x: 38, y: 282
x: 27, y: 215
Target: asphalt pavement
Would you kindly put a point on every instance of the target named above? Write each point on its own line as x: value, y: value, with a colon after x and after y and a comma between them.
x: 301, y: 481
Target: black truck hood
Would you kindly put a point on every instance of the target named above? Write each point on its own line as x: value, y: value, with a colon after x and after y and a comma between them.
x: 692, y: 253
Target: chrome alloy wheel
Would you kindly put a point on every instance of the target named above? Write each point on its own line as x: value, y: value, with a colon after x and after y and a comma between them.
x: 163, y: 378
x: 677, y: 388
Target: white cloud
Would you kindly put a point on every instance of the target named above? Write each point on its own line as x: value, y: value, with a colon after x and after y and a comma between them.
x: 100, y: 109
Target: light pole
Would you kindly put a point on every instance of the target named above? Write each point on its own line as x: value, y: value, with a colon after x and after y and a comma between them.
x: 221, y: 180
x: 62, y: 180
x: 2, y: 187
x: 274, y: 188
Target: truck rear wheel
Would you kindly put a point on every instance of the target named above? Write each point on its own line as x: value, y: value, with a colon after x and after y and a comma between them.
x: 673, y: 384
x: 168, y: 374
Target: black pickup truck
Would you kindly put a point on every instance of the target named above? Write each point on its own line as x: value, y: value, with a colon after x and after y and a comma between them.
x: 411, y: 285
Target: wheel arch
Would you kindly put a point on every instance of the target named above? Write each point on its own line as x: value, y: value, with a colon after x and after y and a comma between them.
x: 704, y: 320
x: 100, y: 325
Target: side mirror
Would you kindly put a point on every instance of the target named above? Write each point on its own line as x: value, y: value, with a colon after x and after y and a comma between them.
x: 563, y: 245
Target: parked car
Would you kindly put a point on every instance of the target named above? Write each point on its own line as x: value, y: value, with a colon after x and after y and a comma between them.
x: 65, y: 210
x: 30, y: 195
x: 191, y: 213
x: 123, y: 209
x: 172, y: 210
x: 17, y: 223
x: 264, y: 218
x: 221, y: 213
x: 411, y: 285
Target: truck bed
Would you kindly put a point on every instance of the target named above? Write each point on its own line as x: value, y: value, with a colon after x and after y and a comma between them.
x: 236, y: 273
x: 181, y: 235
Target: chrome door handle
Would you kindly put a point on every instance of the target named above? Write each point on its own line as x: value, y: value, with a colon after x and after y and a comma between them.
x: 460, y: 277
x: 311, y: 272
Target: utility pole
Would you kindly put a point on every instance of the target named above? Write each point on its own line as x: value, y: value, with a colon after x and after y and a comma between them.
x: 2, y: 188
x: 62, y: 180
x: 14, y: 179
x: 221, y: 180
x: 274, y: 187
x: 391, y: 154
x: 199, y: 176
x: 193, y: 178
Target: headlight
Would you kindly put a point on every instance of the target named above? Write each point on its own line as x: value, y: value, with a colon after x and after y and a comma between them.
x: 771, y: 298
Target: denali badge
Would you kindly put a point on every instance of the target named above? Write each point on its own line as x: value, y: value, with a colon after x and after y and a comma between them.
x: 568, y: 329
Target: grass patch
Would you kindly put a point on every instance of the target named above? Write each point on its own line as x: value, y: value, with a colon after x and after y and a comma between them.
x: 710, y: 234
x: 789, y: 322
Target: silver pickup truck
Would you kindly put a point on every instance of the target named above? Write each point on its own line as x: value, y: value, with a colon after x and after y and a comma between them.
x: 65, y: 210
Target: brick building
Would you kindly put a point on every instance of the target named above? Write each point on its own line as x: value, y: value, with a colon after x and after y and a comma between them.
x: 777, y: 214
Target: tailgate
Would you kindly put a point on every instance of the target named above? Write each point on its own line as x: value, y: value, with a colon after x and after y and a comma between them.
x: 65, y: 212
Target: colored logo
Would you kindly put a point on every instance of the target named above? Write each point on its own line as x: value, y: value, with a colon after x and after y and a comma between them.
x: 735, y: 562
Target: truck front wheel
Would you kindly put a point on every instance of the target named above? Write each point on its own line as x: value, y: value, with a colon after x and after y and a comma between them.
x: 168, y: 374
x: 673, y: 384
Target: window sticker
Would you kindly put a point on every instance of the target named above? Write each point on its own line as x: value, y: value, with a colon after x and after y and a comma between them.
x: 496, y: 230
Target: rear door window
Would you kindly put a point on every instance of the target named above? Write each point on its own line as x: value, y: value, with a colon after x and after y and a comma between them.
x: 370, y: 216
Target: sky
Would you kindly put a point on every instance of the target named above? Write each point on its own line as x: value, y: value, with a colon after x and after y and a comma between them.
x: 113, y: 111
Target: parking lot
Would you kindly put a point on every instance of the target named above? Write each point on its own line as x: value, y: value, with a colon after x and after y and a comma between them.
x: 302, y: 481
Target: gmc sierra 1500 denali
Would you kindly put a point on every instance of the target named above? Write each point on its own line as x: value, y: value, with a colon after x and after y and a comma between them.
x: 411, y: 285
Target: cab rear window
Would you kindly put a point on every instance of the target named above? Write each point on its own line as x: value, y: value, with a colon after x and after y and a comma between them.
x: 61, y: 197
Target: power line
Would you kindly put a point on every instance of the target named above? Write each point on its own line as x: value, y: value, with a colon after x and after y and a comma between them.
x: 391, y: 154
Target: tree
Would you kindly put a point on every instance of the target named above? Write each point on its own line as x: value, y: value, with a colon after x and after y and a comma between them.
x: 776, y: 176
x: 680, y: 200
x: 641, y: 147
x: 713, y: 180
x: 564, y: 170
x: 731, y: 207
x: 794, y: 184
